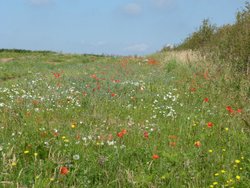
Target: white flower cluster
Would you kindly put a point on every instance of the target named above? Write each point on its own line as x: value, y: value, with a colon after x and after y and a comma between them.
x: 26, y: 95
x: 163, y: 105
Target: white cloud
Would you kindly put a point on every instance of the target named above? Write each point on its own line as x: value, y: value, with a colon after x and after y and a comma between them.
x: 132, y: 9
x: 137, y: 47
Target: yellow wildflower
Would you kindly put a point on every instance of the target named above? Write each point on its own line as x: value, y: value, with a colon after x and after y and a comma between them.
x: 73, y: 125
x: 230, y: 181
x: 238, y: 177
x: 237, y: 161
x: 223, y: 171
x: 26, y: 151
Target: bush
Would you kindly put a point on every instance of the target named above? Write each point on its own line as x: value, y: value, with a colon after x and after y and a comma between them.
x: 230, y: 43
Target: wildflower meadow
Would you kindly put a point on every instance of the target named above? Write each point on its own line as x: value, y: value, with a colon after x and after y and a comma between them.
x: 110, y: 121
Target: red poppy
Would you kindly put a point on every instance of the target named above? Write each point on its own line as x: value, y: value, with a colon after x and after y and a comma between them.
x: 229, y: 109
x: 197, y: 144
x: 210, y: 124
x: 124, y: 131
x: 116, y: 81
x: 120, y: 134
x: 206, y: 99
x: 56, y: 134
x: 172, y: 144
x: 145, y: 134
x: 93, y: 76
x: 56, y: 74
x: 113, y: 94
x: 155, y: 156
x: 152, y: 61
x: 239, y: 110
x: 64, y: 170
x: 193, y: 89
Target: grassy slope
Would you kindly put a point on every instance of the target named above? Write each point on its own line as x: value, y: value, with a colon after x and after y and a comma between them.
x: 56, y: 108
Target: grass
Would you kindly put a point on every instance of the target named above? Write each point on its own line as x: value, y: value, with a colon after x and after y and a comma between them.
x: 104, y: 121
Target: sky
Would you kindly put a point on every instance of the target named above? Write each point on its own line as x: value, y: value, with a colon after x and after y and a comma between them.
x: 114, y: 27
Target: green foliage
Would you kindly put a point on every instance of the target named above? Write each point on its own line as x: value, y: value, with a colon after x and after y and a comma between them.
x: 24, y: 51
x: 201, y: 38
x: 230, y: 43
x: 171, y: 65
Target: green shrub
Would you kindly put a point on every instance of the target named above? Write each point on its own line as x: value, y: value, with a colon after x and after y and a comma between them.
x: 230, y: 43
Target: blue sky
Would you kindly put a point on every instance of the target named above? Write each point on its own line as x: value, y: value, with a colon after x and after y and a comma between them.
x: 120, y: 27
